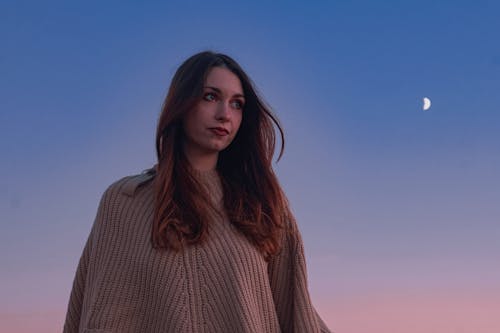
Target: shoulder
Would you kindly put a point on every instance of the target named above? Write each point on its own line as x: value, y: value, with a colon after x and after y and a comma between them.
x: 293, y: 238
x: 290, y: 222
x: 129, y: 185
x: 124, y: 192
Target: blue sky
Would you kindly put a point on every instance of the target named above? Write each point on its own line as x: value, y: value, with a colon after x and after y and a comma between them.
x: 389, y: 197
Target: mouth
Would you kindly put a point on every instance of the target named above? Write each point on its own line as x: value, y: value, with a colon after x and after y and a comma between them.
x: 220, y: 131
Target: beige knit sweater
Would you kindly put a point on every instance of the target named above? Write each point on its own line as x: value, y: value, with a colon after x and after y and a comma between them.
x: 124, y: 285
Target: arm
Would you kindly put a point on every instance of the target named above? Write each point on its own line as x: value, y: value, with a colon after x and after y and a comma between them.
x: 78, y: 293
x: 74, y: 311
x: 288, y: 279
x: 86, y: 272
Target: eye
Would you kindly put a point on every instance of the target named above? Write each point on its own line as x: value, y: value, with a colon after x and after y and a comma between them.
x: 239, y: 104
x: 209, y: 96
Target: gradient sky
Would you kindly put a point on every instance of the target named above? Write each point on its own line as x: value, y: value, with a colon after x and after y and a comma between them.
x: 398, y: 207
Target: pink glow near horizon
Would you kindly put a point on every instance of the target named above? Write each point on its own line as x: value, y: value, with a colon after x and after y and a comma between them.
x: 383, y: 313
x: 371, y: 314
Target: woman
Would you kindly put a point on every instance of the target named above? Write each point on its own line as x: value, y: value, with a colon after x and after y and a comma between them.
x: 204, y: 241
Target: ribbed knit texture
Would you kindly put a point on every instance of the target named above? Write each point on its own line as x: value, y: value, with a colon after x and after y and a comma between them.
x: 224, y: 285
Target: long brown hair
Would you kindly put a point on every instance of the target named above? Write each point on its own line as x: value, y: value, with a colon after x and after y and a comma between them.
x: 253, y: 198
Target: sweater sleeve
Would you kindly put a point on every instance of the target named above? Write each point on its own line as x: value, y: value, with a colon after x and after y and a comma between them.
x: 78, y: 291
x: 288, y: 279
x: 75, y: 304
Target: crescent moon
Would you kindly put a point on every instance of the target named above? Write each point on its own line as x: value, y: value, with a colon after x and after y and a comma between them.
x: 427, y: 104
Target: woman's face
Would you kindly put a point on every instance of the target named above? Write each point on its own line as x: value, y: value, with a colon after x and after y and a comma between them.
x: 214, y: 121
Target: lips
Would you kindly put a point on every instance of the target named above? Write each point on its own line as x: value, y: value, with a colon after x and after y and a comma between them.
x: 220, y: 130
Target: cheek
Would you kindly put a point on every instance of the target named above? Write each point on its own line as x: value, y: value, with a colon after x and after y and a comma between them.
x: 238, y: 121
x: 190, y: 124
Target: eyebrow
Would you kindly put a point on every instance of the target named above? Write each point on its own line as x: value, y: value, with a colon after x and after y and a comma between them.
x: 220, y: 92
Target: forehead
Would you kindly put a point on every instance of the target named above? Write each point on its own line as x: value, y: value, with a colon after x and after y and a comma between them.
x: 225, y: 80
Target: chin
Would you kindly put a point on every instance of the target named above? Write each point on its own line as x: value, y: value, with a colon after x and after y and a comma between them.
x: 219, y: 149
x: 218, y: 146
x: 215, y: 148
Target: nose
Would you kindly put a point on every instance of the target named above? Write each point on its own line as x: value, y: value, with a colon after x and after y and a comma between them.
x: 223, y: 111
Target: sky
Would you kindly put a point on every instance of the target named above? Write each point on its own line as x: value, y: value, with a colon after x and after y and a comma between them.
x: 397, y: 206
